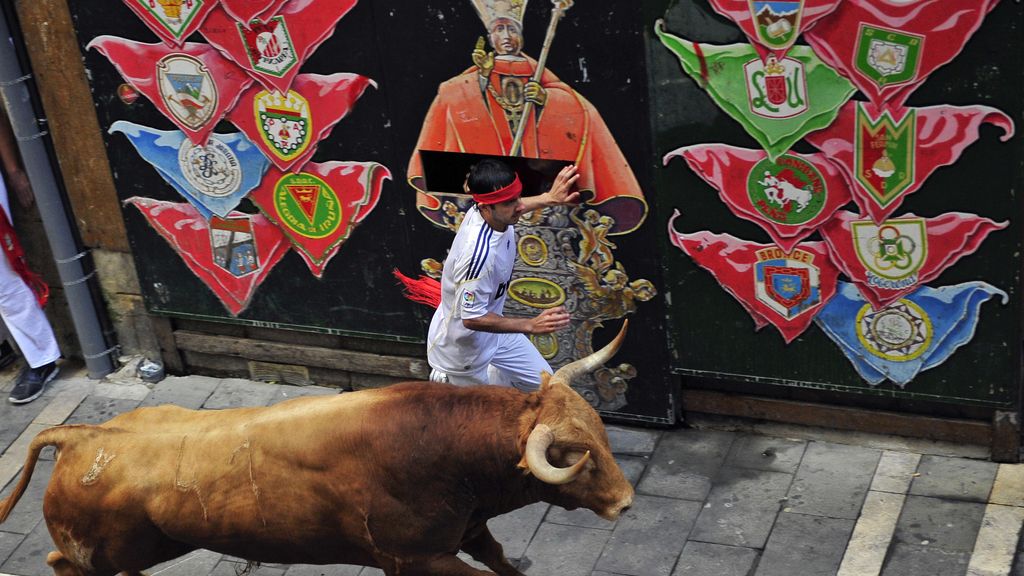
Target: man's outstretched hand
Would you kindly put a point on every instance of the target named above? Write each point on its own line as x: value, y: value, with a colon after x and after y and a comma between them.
x: 561, y: 191
x: 550, y: 320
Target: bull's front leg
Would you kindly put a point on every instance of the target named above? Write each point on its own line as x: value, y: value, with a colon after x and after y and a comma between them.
x: 484, y: 548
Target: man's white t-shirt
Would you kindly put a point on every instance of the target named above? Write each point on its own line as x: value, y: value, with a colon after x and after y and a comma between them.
x: 474, y: 281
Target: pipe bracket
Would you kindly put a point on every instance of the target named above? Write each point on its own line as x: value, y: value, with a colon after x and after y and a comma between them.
x: 106, y: 352
x: 80, y: 280
x: 7, y: 83
x: 78, y: 256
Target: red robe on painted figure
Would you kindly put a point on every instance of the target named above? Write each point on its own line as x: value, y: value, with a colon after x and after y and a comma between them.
x: 466, y: 118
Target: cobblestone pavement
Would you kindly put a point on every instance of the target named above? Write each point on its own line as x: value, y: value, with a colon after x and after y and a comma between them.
x: 711, y: 500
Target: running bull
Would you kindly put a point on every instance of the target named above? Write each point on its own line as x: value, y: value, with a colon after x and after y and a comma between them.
x: 401, y: 478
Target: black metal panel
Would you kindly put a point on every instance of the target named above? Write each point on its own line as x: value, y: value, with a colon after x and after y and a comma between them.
x: 408, y: 48
x: 713, y: 338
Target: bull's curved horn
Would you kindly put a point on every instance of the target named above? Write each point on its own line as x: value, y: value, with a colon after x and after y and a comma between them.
x: 569, y: 372
x: 537, y: 458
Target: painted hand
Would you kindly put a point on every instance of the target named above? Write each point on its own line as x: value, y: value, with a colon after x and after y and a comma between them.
x: 534, y: 92
x: 483, y: 60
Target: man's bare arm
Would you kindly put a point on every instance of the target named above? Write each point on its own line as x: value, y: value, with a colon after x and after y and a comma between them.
x: 17, y: 180
x: 550, y: 320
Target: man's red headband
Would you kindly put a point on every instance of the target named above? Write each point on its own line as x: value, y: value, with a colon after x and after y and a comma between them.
x: 501, y: 194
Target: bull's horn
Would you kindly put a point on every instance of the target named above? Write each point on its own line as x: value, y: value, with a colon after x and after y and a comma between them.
x: 569, y: 372
x: 537, y: 458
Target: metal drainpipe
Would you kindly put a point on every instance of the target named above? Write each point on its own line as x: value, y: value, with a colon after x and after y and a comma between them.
x: 84, y: 314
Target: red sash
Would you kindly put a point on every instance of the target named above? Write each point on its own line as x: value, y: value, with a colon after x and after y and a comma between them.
x: 16, y: 257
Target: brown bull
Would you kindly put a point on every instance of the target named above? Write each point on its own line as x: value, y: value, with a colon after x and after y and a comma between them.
x: 401, y: 478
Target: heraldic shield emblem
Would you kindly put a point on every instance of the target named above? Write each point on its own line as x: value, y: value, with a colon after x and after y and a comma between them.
x: 187, y: 88
x: 787, y: 283
x: 283, y: 122
x: 892, y: 253
x: 887, y: 57
x: 234, y: 246
x: 269, y: 46
x: 307, y: 205
x: 777, y: 23
x: 175, y: 16
x: 884, y: 154
x: 776, y: 88
x: 172, y: 20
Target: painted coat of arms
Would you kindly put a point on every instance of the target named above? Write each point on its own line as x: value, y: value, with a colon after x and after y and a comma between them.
x: 187, y: 88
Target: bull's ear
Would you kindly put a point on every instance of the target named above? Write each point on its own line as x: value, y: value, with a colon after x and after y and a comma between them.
x: 545, y: 380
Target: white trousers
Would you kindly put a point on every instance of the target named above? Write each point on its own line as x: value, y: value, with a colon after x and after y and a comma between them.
x: 25, y: 320
x: 516, y: 363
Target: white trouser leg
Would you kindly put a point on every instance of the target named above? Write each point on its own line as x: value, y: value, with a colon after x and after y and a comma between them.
x: 517, y: 363
x: 24, y: 319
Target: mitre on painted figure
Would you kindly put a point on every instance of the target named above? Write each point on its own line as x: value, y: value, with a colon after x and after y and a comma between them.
x: 491, y: 10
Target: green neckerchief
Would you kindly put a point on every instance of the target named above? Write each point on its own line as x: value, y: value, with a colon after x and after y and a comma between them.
x: 807, y: 94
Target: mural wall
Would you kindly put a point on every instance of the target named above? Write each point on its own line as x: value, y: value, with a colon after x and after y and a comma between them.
x: 783, y: 193
x: 842, y: 171
x: 257, y: 147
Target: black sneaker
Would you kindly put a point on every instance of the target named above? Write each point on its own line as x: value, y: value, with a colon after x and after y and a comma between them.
x: 32, y: 382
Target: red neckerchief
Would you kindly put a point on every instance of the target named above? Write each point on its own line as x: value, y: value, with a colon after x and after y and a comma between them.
x: 16, y: 256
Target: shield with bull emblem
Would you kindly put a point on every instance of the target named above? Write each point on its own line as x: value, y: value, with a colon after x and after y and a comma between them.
x: 789, y: 191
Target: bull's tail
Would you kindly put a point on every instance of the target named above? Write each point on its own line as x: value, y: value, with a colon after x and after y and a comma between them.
x: 49, y: 437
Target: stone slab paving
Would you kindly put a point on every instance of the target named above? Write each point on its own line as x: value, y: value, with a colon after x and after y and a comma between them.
x: 706, y: 559
x: 765, y: 453
x: 997, y: 540
x: 865, y: 552
x: 710, y: 502
x: 185, y: 391
x: 957, y: 478
x: 907, y: 559
x: 833, y: 479
x: 684, y: 465
x: 648, y: 538
x: 741, y: 508
x: 806, y: 545
x: 948, y: 525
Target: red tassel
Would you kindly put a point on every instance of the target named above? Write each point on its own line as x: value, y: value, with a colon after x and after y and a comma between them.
x: 424, y: 289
